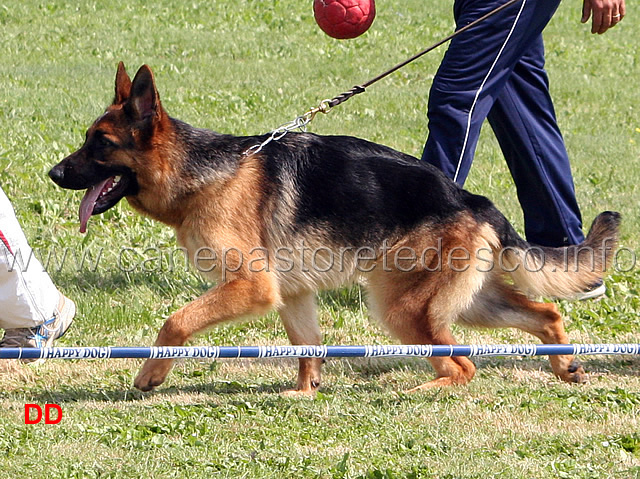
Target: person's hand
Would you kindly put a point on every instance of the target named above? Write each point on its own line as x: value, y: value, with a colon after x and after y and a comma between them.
x: 605, y: 14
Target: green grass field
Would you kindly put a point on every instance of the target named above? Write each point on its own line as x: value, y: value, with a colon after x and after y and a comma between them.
x: 245, y: 67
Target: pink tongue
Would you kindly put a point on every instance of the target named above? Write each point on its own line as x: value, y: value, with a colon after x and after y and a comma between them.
x: 88, y: 203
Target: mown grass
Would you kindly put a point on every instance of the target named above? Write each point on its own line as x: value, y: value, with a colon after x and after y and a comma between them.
x: 245, y: 67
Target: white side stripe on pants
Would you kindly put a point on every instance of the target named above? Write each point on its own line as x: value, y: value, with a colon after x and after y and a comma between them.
x: 475, y: 100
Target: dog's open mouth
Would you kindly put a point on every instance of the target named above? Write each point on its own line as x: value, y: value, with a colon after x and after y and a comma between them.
x: 99, y: 198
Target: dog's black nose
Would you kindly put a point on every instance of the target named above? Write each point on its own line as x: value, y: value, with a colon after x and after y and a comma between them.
x: 56, y: 173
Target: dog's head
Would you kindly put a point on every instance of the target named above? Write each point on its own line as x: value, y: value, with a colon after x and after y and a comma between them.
x: 108, y: 163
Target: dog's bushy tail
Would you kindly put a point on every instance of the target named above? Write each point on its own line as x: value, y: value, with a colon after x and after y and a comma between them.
x: 563, y: 272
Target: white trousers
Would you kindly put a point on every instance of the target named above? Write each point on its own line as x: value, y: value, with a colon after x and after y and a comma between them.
x: 28, y: 297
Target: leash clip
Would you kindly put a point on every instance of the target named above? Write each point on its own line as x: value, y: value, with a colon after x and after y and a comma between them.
x: 299, y: 123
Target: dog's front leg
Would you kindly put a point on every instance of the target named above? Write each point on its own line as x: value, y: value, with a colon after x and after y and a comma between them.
x: 299, y: 317
x: 234, y: 299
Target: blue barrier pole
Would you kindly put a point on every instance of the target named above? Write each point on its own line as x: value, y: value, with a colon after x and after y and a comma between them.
x: 214, y: 352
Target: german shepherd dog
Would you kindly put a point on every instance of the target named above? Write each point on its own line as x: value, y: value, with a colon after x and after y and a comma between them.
x: 310, y: 212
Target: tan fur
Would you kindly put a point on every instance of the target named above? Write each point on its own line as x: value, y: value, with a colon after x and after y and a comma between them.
x: 569, y: 269
x: 298, y: 315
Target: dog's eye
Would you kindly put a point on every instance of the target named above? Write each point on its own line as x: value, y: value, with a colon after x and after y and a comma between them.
x: 104, y: 142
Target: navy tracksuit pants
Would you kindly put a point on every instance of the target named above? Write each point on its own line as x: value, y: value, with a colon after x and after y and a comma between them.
x: 496, y: 71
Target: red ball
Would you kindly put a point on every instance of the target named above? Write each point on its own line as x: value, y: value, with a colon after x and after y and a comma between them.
x: 344, y: 18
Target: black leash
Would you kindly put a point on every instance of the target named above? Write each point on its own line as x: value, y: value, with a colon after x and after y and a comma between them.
x: 361, y: 88
x: 327, y: 105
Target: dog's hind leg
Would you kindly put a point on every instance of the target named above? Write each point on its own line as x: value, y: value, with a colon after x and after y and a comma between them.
x: 450, y: 371
x: 499, y: 305
x: 299, y: 317
x: 406, y: 308
x: 247, y: 296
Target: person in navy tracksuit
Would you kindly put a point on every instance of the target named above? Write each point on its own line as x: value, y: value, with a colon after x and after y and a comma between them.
x: 496, y: 71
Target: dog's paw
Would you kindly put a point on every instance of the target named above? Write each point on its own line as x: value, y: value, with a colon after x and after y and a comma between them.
x: 568, y: 369
x: 576, y: 373
x: 152, y: 374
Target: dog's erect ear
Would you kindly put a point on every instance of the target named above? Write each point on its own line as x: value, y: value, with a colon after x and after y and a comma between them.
x: 123, y: 85
x: 144, y: 101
